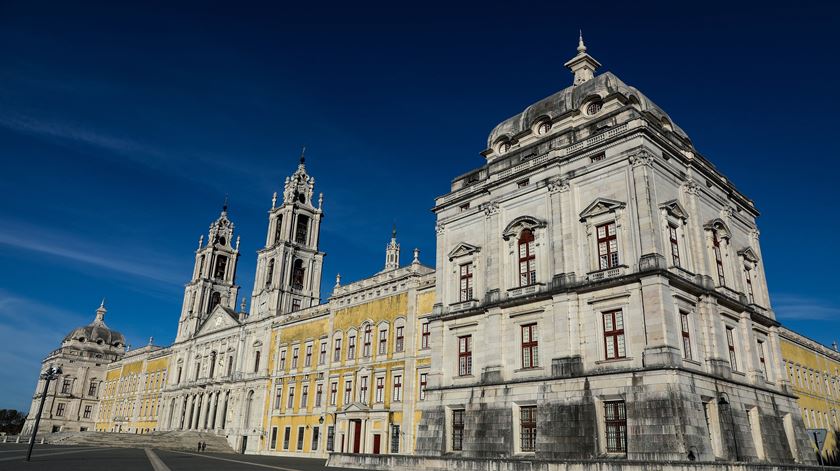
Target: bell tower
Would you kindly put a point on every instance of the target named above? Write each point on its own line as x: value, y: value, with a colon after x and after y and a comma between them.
x: 392, y: 252
x: 214, y: 276
x: 289, y: 267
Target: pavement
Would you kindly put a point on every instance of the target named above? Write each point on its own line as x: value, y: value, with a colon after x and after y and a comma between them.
x: 72, y: 458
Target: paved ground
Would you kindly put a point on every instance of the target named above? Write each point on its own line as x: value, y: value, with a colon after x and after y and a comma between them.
x: 71, y: 458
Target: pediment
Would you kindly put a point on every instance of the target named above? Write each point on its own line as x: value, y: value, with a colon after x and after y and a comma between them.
x: 719, y: 225
x: 463, y: 249
x: 515, y: 227
x: 749, y: 254
x: 219, y: 319
x: 674, y: 208
x: 600, y: 206
x: 356, y: 407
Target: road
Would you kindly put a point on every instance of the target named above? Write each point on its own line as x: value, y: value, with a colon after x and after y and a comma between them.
x: 72, y: 458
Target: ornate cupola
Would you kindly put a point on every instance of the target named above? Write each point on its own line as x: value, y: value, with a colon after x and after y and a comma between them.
x: 289, y: 267
x: 213, y: 280
x: 582, y: 65
x: 392, y: 252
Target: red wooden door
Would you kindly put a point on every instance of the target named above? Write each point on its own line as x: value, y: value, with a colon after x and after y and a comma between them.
x: 357, y: 435
x: 376, y: 438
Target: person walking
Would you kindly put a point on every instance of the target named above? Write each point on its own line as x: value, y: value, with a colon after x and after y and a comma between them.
x: 199, y: 445
x: 203, y: 447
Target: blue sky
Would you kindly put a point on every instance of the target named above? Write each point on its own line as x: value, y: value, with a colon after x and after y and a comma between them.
x: 122, y: 129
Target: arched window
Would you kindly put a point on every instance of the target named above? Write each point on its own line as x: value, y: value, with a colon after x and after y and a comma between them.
x: 367, y: 340
x: 269, y: 274
x: 297, y: 274
x: 257, y: 361
x: 278, y: 228
x: 221, y: 264
x: 215, y: 299
x: 230, y: 364
x: 302, y: 229
x: 527, y: 259
x: 248, y: 403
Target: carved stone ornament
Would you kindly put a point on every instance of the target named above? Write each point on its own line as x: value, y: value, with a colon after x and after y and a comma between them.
x: 439, y: 228
x: 691, y: 187
x: 490, y: 208
x: 557, y: 184
x: 641, y: 158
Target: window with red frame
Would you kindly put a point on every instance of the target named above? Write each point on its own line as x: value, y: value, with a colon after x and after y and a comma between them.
x: 397, y: 396
x: 607, y: 246
x: 615, y: 418
x: 319, y: 392
x: 333, y: 393
x: 465, y: 355
x: 380, y: 389
x: 348, y: 391
x: 466, y: 292
x: 367, y: 340
x: 527, y: 259
x: 686, y: 335
x: 363, y: 389
x: 322, y: 356
x: 400, y: 342
x: 530, y: 354
x: 458, y: 430
x: 351, y: 347
x: 614, y: 335
x: 528, y: 428
x: 383, y: 341
x: 291, y: 402
x: 337, y: 354
x: 425, y: 335
x: 307, y: 360
x: 423, y: 382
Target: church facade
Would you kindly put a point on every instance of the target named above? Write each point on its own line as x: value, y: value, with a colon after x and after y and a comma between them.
x: 598, y: 292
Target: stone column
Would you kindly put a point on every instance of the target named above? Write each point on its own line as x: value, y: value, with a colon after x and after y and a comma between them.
x: 650, y: 237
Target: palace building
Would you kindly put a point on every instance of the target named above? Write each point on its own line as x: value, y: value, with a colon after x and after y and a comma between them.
x: 598, y: 292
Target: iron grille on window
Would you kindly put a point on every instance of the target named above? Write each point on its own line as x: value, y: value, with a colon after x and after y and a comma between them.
x: 528, y: 428
x: 458, y: 430
x: 395, y: 439
x: 616, y: 426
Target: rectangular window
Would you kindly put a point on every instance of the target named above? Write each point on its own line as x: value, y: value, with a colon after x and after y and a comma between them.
x: 458, y: 430
x: 465, y: 355
x: 397, y: 396
x: 395, y: 439
x: 425, y: 335
x: 686, y: 336
x: 65, y: 386
x: 304, y: 395
x: 302, y: 229
x: 331, y: 438
x: 614, y: 335
x: 337, y: 354
x: 368, y: 338
x: 92, y: 389
x: 748, y: 279
x: 398, y: 346
x: 718, y: 258
x: 528, y: 428
x: 530, y: 353
x: 59, y: 411
x: 291, y: 401
x: 333, y: 393
x: 348, y: 391
x: 466, y: 292
x: 607, y: 246
x: 301, y: 430
x: 383, y: 342
x: 295, y: 305
x: 351, y: 347
x: 423, y: 383
x: 282, y: 363
x: 322, y: 357
x: 316, y: 435
x: 273, y: 438
x: 761, y: 361
x: 88, y: 410
x: 615, y: 419
x: 319, y: 392
x: 294, y: 357
x: 363, y: 390
x: 675, y: 244
x: 527, y: 259
x: 380, y: 389
x: 307, y: 360
x: 278, y: 396
x: 730, y: 341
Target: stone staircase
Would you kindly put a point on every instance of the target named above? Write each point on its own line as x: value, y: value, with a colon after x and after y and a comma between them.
x: 175, y: 440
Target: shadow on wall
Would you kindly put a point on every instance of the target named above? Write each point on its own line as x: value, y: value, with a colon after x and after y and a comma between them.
x: 831, y: 454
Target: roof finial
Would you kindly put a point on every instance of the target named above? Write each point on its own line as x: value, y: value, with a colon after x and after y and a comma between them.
x: 581, y: 47
x: 394, y: 231
x: 100, y: 313
x: 225, y: 206
x: 151, y: 339
x: 303, y: 155
x: 102, y: 304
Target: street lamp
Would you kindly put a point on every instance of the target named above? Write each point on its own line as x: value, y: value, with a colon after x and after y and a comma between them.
x: 723, y: 400
x: 51, y: 374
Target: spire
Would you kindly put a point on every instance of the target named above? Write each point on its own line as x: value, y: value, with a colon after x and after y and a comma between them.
x: 100, y: 313
x: 582, y: 65
x: 303, y: 155
x: 337, y: 280
x: 416, y: 256
x: 225, y: 206
x: 394, y: 232
x: 392, y: 251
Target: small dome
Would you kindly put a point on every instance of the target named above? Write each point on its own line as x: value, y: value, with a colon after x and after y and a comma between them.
x: 97, y: 332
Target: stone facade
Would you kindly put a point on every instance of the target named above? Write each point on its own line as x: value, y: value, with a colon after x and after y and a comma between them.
x: 623, y: 275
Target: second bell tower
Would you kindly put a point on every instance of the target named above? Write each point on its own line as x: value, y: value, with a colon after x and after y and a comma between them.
x: 289, y: 267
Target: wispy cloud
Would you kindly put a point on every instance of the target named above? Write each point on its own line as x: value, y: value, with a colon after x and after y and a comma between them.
x: 797, y: 307
x: 70, y: 247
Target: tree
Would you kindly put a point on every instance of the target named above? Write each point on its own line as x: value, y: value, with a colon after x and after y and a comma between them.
x: 11, y: 421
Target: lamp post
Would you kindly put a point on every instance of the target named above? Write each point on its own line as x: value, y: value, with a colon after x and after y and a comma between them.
x: 724, y: 401
x: 49, y: 375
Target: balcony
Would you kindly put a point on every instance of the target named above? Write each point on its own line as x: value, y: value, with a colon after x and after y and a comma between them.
x: 525, y: 290
x: 463, y: 305
x: 607, y: 273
